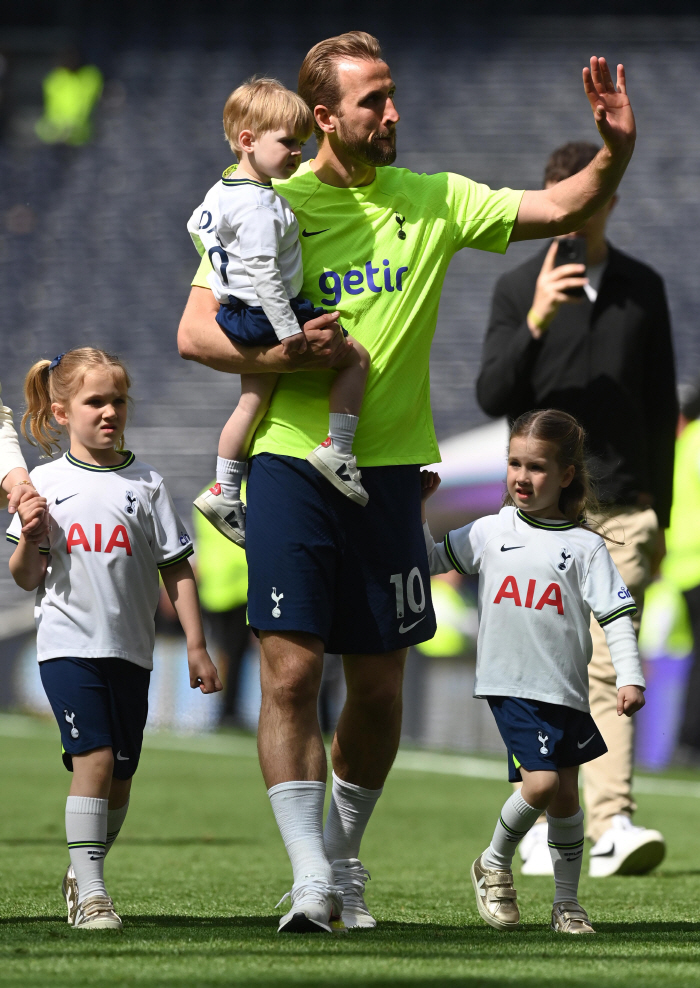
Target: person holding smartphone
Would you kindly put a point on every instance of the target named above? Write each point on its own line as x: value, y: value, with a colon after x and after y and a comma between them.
x: 584, y: 328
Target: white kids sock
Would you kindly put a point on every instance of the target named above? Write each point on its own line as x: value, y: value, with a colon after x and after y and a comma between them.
x: 115, y: 821
x: 342, y: 430
x: 229, y: 473
x: 516, y: 818
x: 86, y: 832
x: 298, y: 809
x: 565, y: 837
x: 348, y: 815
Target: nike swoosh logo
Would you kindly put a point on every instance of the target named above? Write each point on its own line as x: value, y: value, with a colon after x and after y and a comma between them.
x: 579, y: 745
x: 402, y: 630
x: 314, y: 233
x: 507, y: 548
x: 122, y: 758
x: 67, y: 498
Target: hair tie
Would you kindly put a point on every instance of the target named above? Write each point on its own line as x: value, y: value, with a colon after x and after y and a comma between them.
x: 56, y: 361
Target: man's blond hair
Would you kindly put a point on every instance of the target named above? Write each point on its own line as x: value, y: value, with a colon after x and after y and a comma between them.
x: 261, y: 105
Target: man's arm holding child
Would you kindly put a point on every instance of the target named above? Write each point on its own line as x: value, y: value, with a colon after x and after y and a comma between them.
x: 180, y: 586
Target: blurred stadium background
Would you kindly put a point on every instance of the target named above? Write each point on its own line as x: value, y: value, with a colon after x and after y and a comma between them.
x: 93, y: 245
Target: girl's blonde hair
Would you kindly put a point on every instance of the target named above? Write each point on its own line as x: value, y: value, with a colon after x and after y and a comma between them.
x: 59, y: 381
x: 261, y: 105
x: 568, y: 438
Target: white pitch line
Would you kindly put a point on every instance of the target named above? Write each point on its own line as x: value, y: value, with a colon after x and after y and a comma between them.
x: 431, y: 762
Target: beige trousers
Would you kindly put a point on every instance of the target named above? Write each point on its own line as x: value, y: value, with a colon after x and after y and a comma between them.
x: 607, y: 781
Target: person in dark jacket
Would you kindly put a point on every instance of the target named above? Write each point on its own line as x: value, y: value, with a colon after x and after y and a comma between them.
x: 607, y: 359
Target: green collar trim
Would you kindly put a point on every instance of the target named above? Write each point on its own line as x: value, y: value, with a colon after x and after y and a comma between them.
x: 95, y: 469
x: 548, y: 524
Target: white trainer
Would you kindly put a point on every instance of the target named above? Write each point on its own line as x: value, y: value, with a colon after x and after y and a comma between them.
x: 97, y: 913
x: 626, y: 850
x: 314, y: 902
x: 69, y: 888
x: 228, y: 517
x: 340, y: 469
x: 351, y: 877
x: 534, y: 850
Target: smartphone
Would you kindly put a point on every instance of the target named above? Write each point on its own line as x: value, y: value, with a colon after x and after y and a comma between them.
x: 571, y: 250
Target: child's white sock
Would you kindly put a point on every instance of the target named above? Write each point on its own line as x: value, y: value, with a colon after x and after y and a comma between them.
x: 516, y: 818
x: 229, y: 473
x: 86, y: 832
x: 565, y: 837
x: 298, y: 809
x: 115, y: 820
x: 348, y: 815
x: 342, y: 430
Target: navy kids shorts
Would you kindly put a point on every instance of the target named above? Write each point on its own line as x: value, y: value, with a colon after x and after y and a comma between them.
x: 544, y: 736
x: 355, y: 577
x: 248, y: 325
x: 98, y: 703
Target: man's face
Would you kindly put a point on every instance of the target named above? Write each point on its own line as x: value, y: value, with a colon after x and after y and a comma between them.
x: 366, y: 118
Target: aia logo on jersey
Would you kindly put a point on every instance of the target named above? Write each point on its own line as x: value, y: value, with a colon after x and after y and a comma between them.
x: 510, y: 591
x: 119, y: 539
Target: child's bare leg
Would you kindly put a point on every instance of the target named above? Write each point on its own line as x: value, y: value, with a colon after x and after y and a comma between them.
x: 86, y: 819
x: 347, y: 393
x: 237, y: 434
x: 119, y: 794
x: 565, y: 836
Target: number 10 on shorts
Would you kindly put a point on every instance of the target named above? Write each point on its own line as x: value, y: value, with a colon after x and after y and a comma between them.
x: 414, y: 592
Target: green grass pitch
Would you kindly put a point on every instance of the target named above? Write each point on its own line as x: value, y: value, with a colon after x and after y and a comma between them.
x: 199, y: 867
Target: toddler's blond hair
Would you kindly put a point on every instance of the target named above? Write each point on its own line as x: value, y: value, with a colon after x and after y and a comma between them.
x: 262, y: 105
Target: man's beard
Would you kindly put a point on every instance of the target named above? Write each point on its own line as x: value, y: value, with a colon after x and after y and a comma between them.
x: 375, y: 152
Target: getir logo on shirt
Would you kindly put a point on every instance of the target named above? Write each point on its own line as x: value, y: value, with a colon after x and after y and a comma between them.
x: 358, y: 280
x: 119, y: 539
x: 509, y: 591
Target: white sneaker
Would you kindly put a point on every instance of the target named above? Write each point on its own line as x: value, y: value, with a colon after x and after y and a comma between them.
x: 69, y: 888
x: 314, y: 902
x: 226, y: 516
x: 97, y: 913
x: 341, y: 469
x: 351, y: 877
x: 626, y: 850
x: 534, y: 850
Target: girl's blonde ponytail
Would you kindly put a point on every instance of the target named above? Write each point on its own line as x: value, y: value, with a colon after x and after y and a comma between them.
x: 36, y: 421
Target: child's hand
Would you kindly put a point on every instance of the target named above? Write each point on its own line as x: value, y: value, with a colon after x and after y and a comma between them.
x: 203, y: 672
x: 429, y: 483
x: 630, y: 699
x: 34, y: 518
x: 294, y: 344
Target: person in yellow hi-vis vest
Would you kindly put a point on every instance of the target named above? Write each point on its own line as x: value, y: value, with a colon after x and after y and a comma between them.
x: 681, y: 567
x: 222, y: 578
x: 70, y: 94
x: 457, y: 623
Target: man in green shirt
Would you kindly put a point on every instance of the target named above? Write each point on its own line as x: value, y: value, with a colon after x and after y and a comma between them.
x: 376, y: 244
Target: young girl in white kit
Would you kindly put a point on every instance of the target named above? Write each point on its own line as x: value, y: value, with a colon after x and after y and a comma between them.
x: 111, y: 529
x: 541, y: 574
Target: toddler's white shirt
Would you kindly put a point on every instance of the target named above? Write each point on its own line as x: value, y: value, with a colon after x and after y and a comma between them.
x: 111, y: 530
x: 539, y: 580
x: 251, y: 236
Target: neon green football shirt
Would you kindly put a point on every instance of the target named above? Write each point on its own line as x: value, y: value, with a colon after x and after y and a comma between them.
x: 379, y: 254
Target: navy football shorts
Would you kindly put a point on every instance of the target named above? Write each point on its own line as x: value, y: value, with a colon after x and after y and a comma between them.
x: 98, y: 703
x: 357, y: 578
x: 544, y: 736
x: 248, y: 325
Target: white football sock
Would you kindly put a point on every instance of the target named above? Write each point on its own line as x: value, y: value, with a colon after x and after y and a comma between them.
x: 516, y: 818
x: 565, y: 837
x: 115, y: 821
x: 86, y: 832
x: 229, y: 473
x: 298, y: 809
x: 342, y: 430
x: 348, y: 815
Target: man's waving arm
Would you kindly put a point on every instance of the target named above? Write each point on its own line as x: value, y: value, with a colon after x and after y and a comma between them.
x: 566, y: 206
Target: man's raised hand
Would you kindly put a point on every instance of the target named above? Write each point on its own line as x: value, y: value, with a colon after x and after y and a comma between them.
x: 611, y: 107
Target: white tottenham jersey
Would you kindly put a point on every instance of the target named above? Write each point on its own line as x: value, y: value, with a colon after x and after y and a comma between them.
x: 111, y: 530
x: 240, y: 222
x: 539, y: 580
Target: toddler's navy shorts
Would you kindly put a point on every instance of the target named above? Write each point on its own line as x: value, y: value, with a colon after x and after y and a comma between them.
x: 248, y: 325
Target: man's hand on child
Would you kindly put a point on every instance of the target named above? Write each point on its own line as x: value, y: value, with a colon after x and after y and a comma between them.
x: 429, y: 483
x: 294, y: 344
x: 203, y: 674
x: 630, y: 699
